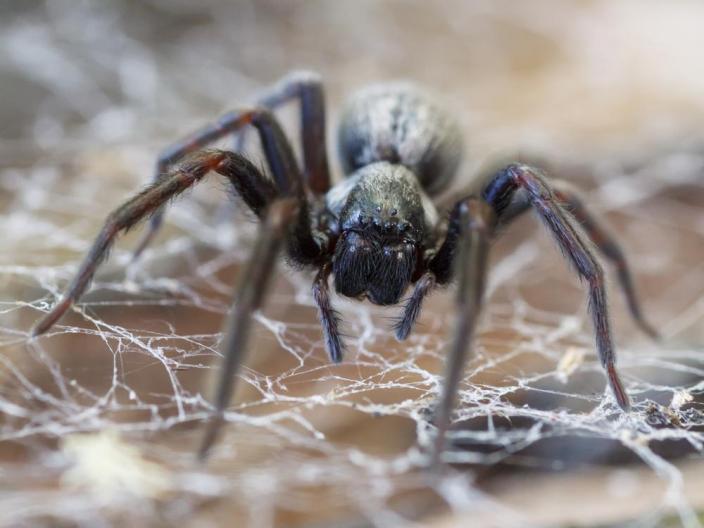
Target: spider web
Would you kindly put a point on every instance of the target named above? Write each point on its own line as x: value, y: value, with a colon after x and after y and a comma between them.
x: 101, y: 418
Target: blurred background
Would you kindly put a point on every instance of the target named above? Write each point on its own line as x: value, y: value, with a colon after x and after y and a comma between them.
x: 99, y: 420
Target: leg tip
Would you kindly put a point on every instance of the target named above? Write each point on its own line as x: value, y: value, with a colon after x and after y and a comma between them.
x: 336, y: 356
x: 402, y: 332
x: 211, y: 433
x: 619, y: 392
x: 46, y: 322
x: 404, y: 325
x: 39, y: 328
x: 336, y: 351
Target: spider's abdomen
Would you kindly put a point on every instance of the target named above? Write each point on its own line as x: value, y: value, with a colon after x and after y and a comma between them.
x: 400, y: 124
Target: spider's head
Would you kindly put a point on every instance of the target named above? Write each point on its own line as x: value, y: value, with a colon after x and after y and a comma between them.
x: 382, y: 224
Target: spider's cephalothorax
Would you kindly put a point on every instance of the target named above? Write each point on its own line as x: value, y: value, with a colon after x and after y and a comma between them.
x: 384, y: 219
x: 378, y: 231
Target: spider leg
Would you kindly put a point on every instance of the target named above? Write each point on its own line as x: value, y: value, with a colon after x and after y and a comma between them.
x: 305, y: 86
x: 308, y: 89
x: 456, y: 250
x: 609, y: 247
x: 122, y: 219
x: 499, y: 192
x: 304, y: 247
x: 414, y: 304
x: 256, y: 190
x: 248, y: 298
x: 574, y: 205
x: 329, y: 318
x: 222, y: 127
x: 473, y: 220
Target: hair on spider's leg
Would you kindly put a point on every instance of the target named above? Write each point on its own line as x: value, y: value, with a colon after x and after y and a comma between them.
x: 176, y: 152
x: 275, y: 145
x: 412, y: 309
x: 475, y: 222
x: 286, y: 219
x: 606, y: 243
x: 329, y: 317
x: 255, y: 189
x: 499, y: 190
x: 125, y: 217
x: 572, y: 203
x: 307, y: 88
x: 250, y: 292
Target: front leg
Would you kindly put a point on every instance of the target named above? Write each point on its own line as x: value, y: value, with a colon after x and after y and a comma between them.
x: 306, y: 87
x: 474, y: 221
x: 198, y: 140
x: 575, y: 206
x: 499, y: 193
x: 304, y: 246
x: 249, y: 296
x: 412, y: 309
x: 464, y: 252
x: 125, y: 217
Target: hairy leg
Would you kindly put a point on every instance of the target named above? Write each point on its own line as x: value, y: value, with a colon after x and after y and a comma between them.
x: 302, y: 85
x: 573, y: 203
x: 125, y: 217
x: 499, y: 193
x: 256, y: 190
x: 307, y: 88
x: 474, y: 221
x: 599, y: 234
x: 250, y: 292
x: 413, y: 306
x: 329, y: 318
x: 464, y: 251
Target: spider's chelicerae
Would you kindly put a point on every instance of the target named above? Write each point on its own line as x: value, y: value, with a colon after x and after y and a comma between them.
x: 378, y: 231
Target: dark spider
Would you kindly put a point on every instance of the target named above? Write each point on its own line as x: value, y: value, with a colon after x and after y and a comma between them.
x: 378, y: 231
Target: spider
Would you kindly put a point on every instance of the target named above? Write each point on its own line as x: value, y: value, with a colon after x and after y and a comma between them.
x: 378, y: 232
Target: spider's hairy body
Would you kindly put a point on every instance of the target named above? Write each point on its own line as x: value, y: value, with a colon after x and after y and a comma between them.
x: 401, y: 124
x: 378, y: 231
x: 397, y: 146
x: 386, y: 220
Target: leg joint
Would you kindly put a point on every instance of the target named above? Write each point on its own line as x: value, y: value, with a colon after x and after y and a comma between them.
x: 281, y: 211
x: 304, y: 78
x: 594, y: 274
x: 476, y: 214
